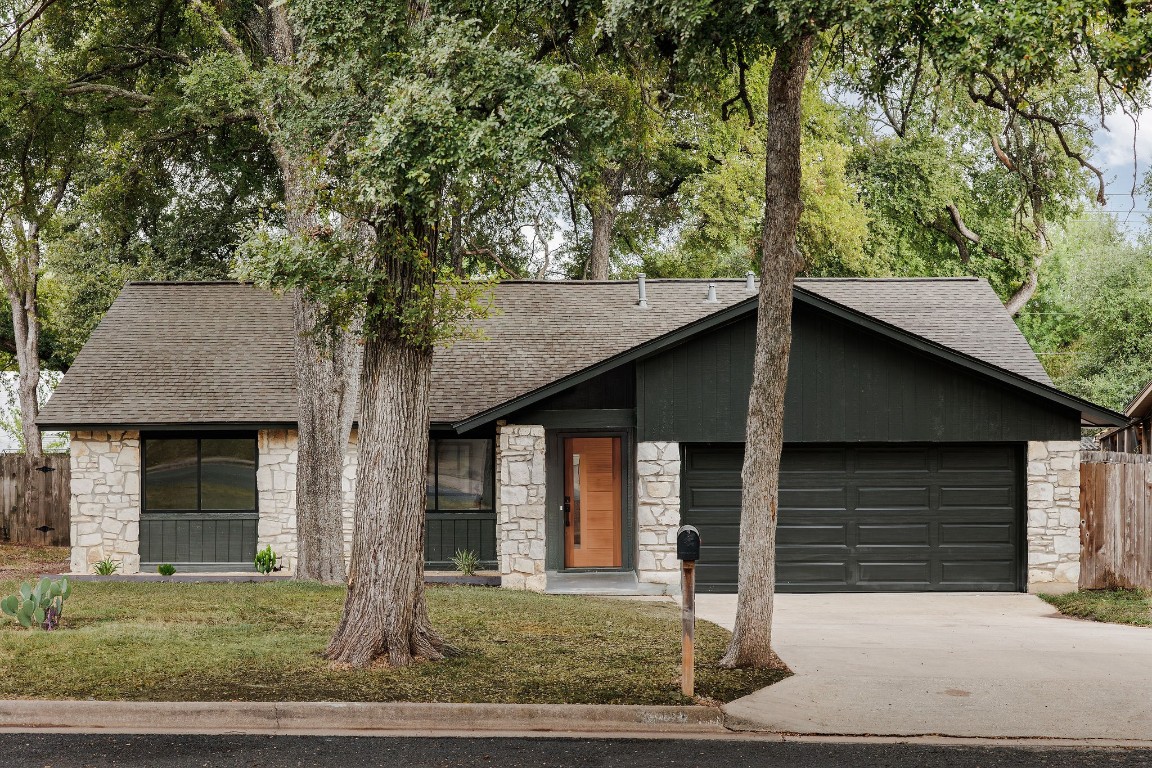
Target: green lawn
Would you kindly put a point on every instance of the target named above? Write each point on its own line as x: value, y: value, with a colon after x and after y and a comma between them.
x: 1115, y: 606
x: 262, y: 642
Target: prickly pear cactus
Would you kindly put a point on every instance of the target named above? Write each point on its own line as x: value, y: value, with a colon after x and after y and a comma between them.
x: 40, y: 605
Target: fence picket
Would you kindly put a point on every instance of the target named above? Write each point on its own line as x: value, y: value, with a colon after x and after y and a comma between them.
x: 51, y: 510
x: 1116, y: 520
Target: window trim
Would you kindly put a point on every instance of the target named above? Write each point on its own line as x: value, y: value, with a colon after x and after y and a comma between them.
x: 199, y: 437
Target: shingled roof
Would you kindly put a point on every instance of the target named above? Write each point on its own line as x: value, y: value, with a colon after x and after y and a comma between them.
x: 221, y: 353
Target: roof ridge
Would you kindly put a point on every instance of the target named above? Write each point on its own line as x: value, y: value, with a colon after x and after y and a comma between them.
x: 926, y: 279
x: 623, y: 281
x: 149, y: 283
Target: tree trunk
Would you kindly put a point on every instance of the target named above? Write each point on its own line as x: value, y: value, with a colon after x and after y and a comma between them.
x: 21, y: 279
x: 327, y: 384
x: 327, y: 367
x: 385, y: 612
x: 751, y: 644
x: 604, y: 212
x: 327, y: 381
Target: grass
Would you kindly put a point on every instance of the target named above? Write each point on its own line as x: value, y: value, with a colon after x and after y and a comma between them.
x: 262, y: 642
x: 1114, y: 606
x: 18, y: 561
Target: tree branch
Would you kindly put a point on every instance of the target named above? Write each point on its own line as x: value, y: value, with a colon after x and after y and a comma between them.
x: 81, y: 89
x: 954, y: 213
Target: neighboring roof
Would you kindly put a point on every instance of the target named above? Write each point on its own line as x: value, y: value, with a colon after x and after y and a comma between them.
x: 220, y: 353
x: 1139, y: 406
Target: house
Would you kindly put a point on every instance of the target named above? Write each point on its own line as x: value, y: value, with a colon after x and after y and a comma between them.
x: 926, y: 448
x: 1136, y: 434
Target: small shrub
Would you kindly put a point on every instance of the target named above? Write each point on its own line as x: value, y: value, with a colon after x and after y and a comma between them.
x: 165, y: 569
x: 42, y: 605
x: 466, y: 561
x: 106, y: 567
x: 265, y: 561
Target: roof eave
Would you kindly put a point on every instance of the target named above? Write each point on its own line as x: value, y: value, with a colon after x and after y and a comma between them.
x: 161, y: 426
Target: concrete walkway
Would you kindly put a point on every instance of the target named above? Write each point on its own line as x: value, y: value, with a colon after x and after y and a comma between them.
x: 974, y: 665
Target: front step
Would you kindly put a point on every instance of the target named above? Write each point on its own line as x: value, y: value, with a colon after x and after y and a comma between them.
x: 621, y: 583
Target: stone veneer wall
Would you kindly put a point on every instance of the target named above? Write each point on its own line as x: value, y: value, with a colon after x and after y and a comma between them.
x: 276, y: 484
x: 658, y: 512
x: 1053, y: 515
x: 105, y: 505
x: 520, y: 494
x: 276, y: 490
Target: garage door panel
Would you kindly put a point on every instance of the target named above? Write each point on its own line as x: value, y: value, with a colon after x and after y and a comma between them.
x: 1000, y: 496
x: 905, y: 572
x: 811, y: 572
x: 894, y: 535
x: 975, y: 572
x: 853, y: 518
x: 813, y: 498
x: 788, y: 535
x: 987, y: 458
x: 899, y: 460
x: 812, y: 460
x: 977, y: 534
x: 716, y: 458
x: 881, y: 497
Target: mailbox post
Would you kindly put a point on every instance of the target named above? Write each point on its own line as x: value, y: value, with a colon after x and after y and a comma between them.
x: 688, y: 552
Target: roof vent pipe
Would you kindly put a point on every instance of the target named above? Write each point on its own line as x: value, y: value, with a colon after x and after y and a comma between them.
x: 750, y: 281
x: 711, y: 293
x: 643, y: 297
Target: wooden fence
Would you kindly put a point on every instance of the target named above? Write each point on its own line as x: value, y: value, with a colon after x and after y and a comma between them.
x: 46, y: 523
x: 1116, y: 520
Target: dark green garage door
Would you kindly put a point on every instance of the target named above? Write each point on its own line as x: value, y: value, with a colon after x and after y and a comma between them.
x: 868, y: 519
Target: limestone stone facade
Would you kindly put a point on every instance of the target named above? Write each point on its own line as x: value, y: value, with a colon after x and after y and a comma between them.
x: 657, y: 512
x: 1053, y: 515
x: 105, y: 506
x: 276, y: 488
x: 520, y: 501
x: 276, y: 484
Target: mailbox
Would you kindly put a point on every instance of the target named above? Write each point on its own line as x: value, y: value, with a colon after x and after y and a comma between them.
x: 688, y: 543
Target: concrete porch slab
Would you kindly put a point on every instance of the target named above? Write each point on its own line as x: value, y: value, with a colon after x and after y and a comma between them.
x: 612, y: 583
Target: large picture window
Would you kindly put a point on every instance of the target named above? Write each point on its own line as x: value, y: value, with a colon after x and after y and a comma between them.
x: 460, y: 477
x: 200, y: 474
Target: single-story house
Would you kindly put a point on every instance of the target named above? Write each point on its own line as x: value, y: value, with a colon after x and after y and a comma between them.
x: 926, y: 448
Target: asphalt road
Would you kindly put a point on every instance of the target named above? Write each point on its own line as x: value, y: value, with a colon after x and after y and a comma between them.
x: 165, y: 751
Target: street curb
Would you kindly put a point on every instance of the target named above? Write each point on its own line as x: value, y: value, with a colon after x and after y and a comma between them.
x: 274, y: 717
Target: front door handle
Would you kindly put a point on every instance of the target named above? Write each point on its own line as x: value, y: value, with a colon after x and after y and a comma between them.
x: 566, y: 508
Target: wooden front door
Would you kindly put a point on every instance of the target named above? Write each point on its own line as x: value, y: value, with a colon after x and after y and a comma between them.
x: 592, y: 513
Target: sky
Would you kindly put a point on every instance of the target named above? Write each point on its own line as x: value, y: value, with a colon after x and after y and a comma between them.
x: 1115, y: 156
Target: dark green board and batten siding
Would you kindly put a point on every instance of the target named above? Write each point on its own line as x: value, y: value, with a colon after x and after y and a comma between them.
x: 869, y: 518
x: 845, y: 384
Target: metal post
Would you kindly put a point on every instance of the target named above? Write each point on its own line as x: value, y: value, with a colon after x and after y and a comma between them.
x: 688, y: 599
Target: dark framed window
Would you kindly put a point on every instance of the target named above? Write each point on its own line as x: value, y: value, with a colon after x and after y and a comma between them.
x: 199, y: 473
x: 460, y: 476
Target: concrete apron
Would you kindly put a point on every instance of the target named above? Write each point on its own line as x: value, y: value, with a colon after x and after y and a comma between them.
x: 964, y: 665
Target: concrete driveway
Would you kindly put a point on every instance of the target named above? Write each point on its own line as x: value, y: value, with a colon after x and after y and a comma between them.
x: 980, y: 665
